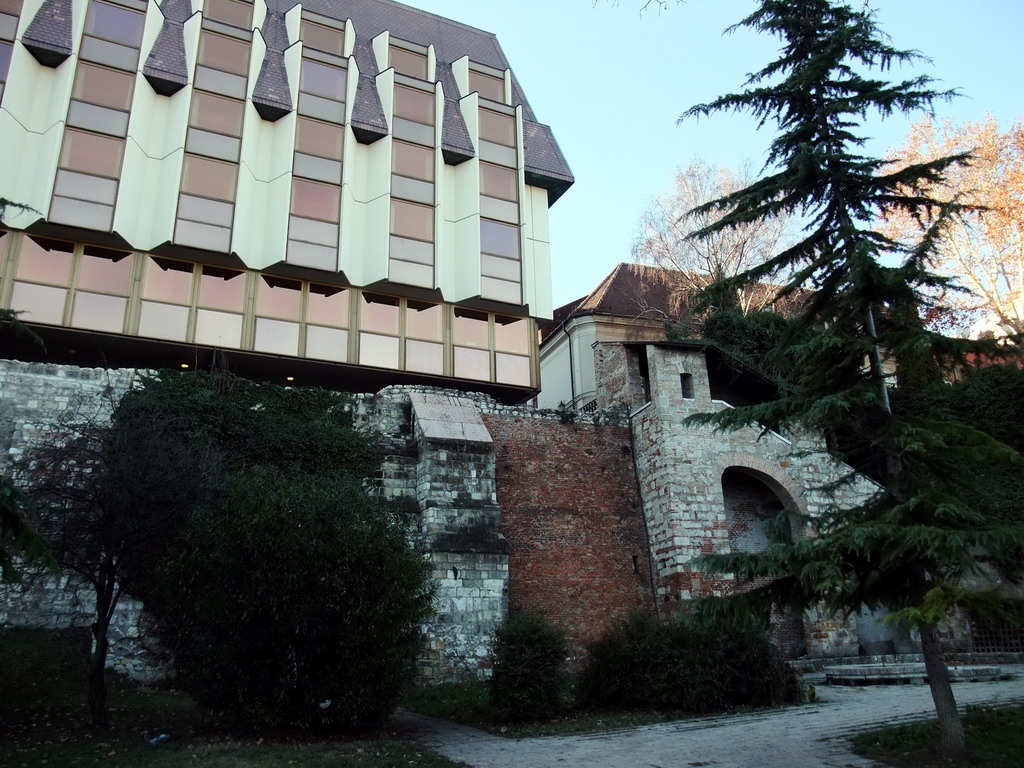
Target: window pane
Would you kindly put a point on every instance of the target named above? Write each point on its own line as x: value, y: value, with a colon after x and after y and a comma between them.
x: 5, y: 60
x: 472, y: 364
x: 279, y: 298
x: 214, y: 113
x: 512, y: 369
x: 381, y: 351
x: 109, y: 273
x: 487, y: 86
x: 412, y: 160
x: 224, y: 53
x: 327, y: 306
x: 276, y: 336
x: 321, y: 139
x: 499, y: 239
x: 511, y: 334
x: 44, y: 260
x: 423, y: 320
x: 12, y: 7
x: 218, y: 329
x: 208, y: 178
x: 114, y: 23
x: 470, y: 328
x: 501, y: 290
x: 410, y: 220
x: 326, y: 343
x: 498, y: 181
x: 500, y: 267
x: 414, y: 104
x: 322, y: 80
x: 90, y: 153
x: 222, y: 288
x: 379, y: 313
x: 106, y: 87
x: 167, y: 280
x: 322, y: 38
x: 99, y: 313
x: 230, y: 12
x: 163, y: 321
x: 424, y: 357
x: 409, y: 62
x: 316, y: 201
x: 501, y: 129
x: 40, y: 303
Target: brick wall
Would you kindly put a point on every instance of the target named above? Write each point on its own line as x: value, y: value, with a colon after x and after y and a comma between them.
x: 577, y: 545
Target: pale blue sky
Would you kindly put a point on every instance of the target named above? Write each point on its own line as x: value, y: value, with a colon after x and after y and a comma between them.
x: 611, y: 83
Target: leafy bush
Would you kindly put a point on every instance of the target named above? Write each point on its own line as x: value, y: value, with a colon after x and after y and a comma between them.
x: 296, y: 603
x: 290, y: 595
x: 684, y: 665
x: 529, y: 681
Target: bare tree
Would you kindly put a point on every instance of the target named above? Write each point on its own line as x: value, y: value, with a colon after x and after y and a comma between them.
x: 666, y: 232
x: 983, y: 248
x: 110, y: 491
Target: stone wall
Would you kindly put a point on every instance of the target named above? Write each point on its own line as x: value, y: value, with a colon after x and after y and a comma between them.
x: 680, y: 469
x: 33, y: 398
x: 580, y: 517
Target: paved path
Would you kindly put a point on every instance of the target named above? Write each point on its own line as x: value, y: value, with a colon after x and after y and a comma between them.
x: 809, y: 736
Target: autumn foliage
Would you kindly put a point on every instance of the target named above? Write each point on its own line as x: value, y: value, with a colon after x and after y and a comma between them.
x: 984, y: 247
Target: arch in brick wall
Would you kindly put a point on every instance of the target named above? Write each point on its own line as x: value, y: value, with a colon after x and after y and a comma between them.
x: 770, y: 473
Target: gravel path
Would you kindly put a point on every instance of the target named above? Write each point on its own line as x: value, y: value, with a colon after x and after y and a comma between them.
x: 807, y: 736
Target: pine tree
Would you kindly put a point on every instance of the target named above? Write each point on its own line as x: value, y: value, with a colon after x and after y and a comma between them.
x: 910, y: 546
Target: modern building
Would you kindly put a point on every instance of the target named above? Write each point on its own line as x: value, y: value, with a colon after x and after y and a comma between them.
x: 345, y: 192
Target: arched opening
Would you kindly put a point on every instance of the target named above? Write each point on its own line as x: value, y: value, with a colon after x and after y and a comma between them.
x: 754, y: 506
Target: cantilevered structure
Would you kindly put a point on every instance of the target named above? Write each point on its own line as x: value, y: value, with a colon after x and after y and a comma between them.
x: 345, y: 192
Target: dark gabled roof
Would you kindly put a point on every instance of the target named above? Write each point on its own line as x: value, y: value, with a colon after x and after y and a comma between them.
x: 643, y: 292
x: 631, y: 291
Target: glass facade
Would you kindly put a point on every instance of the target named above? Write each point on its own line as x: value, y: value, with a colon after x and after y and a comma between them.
x: 61, y: 283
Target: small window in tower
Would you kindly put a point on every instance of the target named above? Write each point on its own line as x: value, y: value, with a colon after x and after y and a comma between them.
x: 686, y: 384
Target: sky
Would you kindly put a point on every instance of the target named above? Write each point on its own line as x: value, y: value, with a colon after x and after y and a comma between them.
x: 612, y: 81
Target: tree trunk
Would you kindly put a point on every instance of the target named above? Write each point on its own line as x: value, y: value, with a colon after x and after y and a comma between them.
x: 952, y: 742
x: 98, y: 677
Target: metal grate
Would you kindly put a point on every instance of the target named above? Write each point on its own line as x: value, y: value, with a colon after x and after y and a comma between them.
x: 992, y: 636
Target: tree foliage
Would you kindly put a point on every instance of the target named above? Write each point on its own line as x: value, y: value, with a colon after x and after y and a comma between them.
x: 984, y: 247
x: 910, y: 544
x: 685, y: 664
x: 295, y: 601
x: 239, y: 512
x: 292, y: 595
x: 664, y: 240
x: 109, y: 490
x: 530, y: 680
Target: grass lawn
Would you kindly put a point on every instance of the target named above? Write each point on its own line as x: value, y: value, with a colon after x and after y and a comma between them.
x: 995, y: 738
x: 469, y: 703
x: 43, y: 721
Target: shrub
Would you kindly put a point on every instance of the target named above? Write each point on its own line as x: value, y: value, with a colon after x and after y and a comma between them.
x: 529, y: 681
x: 296, y: 603
x: 683, y: 664
x: 290, y: 595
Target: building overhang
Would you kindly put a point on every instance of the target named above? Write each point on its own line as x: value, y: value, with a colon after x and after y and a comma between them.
x: 87, y: 349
